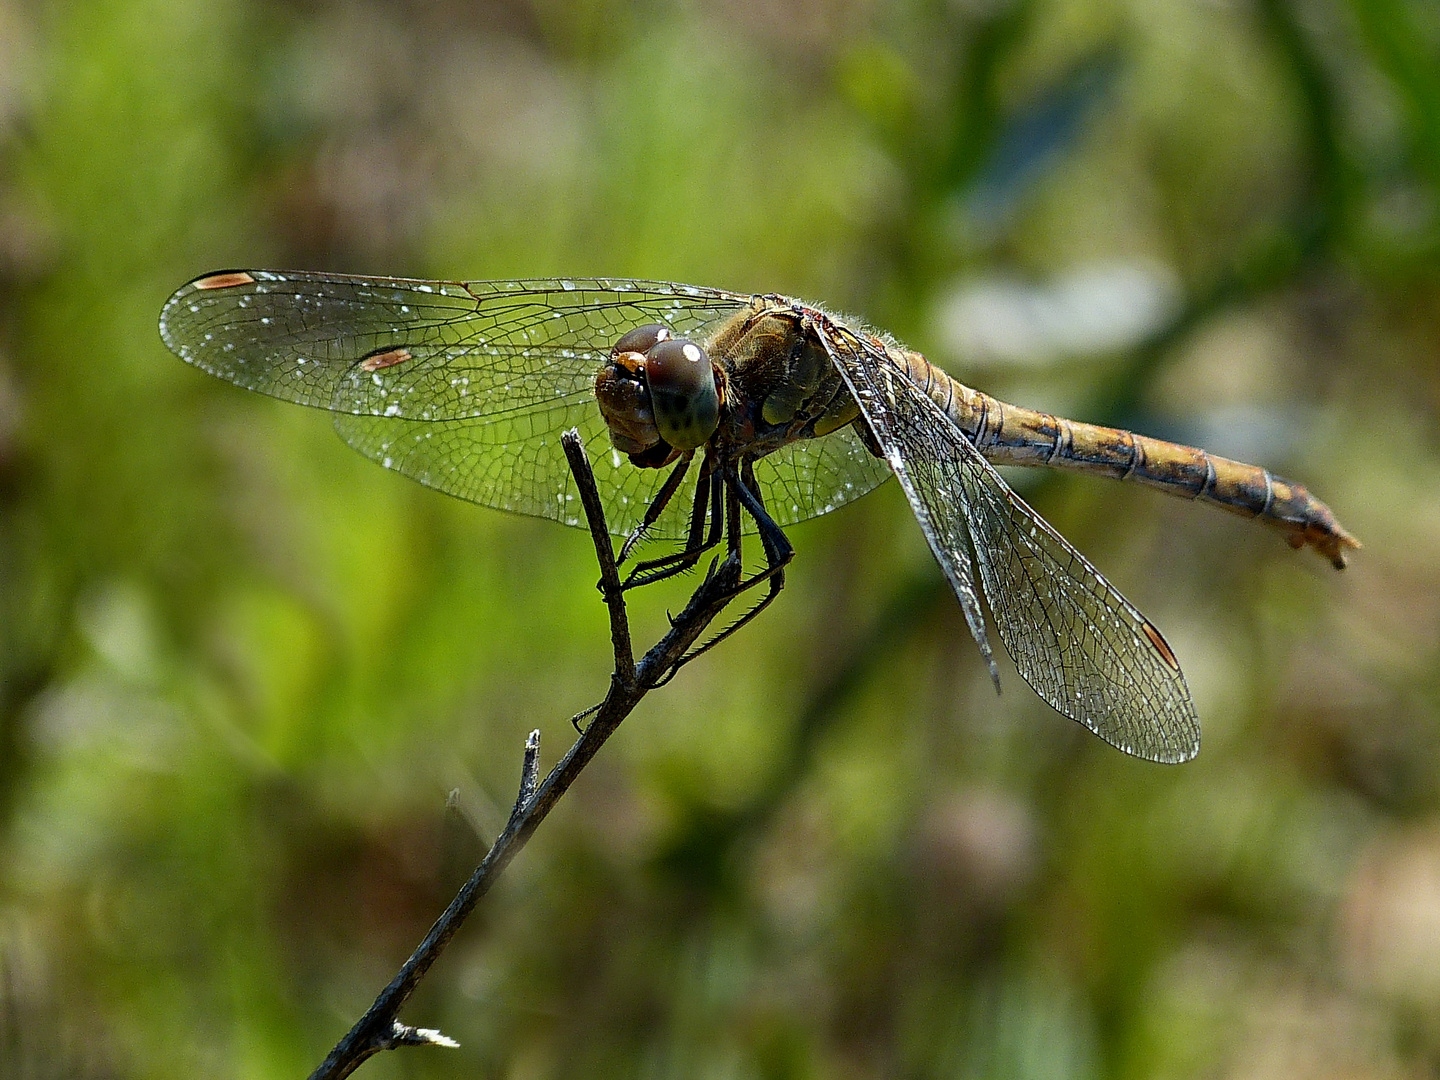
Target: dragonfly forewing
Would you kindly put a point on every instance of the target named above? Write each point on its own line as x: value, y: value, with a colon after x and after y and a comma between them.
x: 1083, y: 648
x: 423, y: 350
x: 467, y: 386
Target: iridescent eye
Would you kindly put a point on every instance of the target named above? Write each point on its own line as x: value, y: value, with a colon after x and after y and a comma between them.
x: 642, y: 339
x: 682, y: 392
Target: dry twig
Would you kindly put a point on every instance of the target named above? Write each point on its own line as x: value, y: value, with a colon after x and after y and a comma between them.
x: 379, y: 1029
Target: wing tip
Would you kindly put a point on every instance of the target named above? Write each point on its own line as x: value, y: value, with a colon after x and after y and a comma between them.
x: 207, y: 282
x: 1181, y: 756
x: 1166, y: 754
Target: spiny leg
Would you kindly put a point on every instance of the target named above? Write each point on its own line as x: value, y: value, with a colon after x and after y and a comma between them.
x: 643, y: 573
x: 707, y: 489
x: 744, y: 492
x: 657, y: 507
x: 730, y: 569
x: 652, y: 570
x: 778, y: 553
x: 778, y: 549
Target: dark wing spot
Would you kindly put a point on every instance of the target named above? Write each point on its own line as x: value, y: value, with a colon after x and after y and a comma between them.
x: 1161, y: 645
x: 385, y: 358
x: 227, y: 280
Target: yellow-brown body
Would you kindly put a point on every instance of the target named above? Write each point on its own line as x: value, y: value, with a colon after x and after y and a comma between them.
x: 769, y: 359
x: 1012, y: 435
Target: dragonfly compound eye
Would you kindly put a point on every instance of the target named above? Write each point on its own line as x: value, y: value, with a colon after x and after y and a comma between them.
x: 683, y: 397
x: 625, y: 404
x: 642, y: 339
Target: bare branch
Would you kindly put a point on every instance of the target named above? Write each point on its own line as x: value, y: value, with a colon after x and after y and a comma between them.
x: 379, y: 1029
x: 529, y: 773
x: 609, y: 573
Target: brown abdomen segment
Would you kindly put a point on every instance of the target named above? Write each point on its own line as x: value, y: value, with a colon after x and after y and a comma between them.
x: 1011, y: 435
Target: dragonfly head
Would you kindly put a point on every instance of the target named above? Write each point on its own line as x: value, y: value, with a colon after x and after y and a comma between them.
x: 657, y: 391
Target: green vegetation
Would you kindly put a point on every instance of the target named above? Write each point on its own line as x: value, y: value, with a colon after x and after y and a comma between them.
x: 241, y: 668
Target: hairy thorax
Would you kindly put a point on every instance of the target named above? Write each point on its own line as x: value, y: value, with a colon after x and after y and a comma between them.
x: 776, y: 385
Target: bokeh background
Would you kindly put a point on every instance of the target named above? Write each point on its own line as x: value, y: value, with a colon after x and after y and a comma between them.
x: 262, y: 704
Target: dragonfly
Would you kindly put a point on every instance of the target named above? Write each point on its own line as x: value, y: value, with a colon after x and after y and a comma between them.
x: 711, y: 415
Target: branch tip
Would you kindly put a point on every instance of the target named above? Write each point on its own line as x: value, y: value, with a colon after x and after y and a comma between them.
x: 610, y: 586
x: 405, y: 1035
x: 529, y: 773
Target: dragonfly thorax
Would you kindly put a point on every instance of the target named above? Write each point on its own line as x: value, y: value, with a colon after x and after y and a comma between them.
x: 782, y: 386
x: 658, y: 394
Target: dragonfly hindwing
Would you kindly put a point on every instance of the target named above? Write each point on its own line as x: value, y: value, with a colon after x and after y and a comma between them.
x: 917, y: 466
x: 1080, y: 645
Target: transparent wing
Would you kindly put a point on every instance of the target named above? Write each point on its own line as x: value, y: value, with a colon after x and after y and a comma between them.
x: 1083, y: 647
x: 491, y: 463
x: 423, y: 350
x: 523, y: 471
x: 814, y: 476
x: 465, y: 386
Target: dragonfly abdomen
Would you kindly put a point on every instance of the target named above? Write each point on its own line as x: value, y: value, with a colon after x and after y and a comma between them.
x: 1012, y: 435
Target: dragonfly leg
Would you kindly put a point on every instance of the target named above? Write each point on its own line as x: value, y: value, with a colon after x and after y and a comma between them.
x: 778, y: 549
x: 657, y: 507
x: 708, y: 489
x: 744, y: 493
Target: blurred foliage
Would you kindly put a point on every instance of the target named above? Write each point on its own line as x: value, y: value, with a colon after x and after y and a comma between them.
x: 240, y: 669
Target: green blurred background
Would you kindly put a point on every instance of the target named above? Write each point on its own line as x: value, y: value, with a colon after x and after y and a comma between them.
x: 241, y: 668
